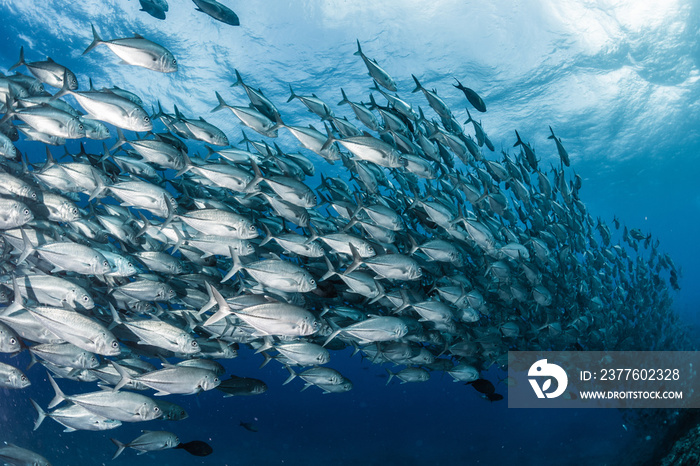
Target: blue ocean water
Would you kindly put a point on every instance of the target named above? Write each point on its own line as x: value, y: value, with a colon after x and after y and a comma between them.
x: 618, y: 82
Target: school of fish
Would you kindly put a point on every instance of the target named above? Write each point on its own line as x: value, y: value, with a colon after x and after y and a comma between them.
x: 400, y: 234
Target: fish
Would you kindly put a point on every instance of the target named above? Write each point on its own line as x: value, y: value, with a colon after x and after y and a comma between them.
x: 155, y: 8
x: 148, y: 441
x: 48, y: 72
x: 217, y: 11
x: 563, y: 155
x: 138, y: 51
x: 120, y: 406
x: 171, y: 380
x: 471, y: 96
x: 11, y: 377
x: 249, y: 426
x: 197, y: 448
x: 13, y: 454
x: 242, y: 386
x: 74, y: 417
x: 375, y: 71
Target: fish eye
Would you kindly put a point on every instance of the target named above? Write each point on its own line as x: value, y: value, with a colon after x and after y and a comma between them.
x: 80, y: 127
x: 115, y: 344
x: 194, y: 344
x: 13, y: 341
x: 370, y: 249
x: 24, y: 378
x: 174, y: 61
x: 26, y: 212
x: 156, y: 409
x: 146, y: 119
x: 105, y: 263
x: 85, y: 298
x: 312, y: 281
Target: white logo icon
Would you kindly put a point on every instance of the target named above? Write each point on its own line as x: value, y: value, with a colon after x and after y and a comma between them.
x: 543, y: 369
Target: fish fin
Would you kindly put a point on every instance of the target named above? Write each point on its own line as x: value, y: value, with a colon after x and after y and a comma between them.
x: 250, y: 187
x: 40, y: 413
x: 292, y: 375
x: 418, y: 85
x: 115, y: 317
x: 391, y: 375
x: 291, y: 97
x: 60, y: 396
x: 20, y: 62
x: 519, y: 142
x: 359, y: 49
x: 120, y: 447
x: 356, y: 260
x: 345, y: 98
x: 125, y: 377
x: 70, y: 429
x: 162, y: 393
x: 224, y: 308
x: 96, y: 40
x: 235, y: 265
x: 268, y: 358
x: 332, y: 336
x: 28, y: 248
x: 120, y: 141
x: 331, y: 270
x: 65, y: 87
x: 239, y: 80
x: 267, y: 344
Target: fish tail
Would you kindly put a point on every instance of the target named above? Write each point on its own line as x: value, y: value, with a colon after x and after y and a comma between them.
x: 292, y: 375
x: 356, y: 262
x: 552, y: 136
x: 224, y: 308
x: 268, y: 236
x: 331, y: 270
x: 20, y: 62
x: 268, y: 358
x: 418, y: 86
x: 345, y: 98
x: 391, y: 375
x: 121, y: 140
x: 519, y: 142
x: 65, y: 87
x: 332, y: 336
x: 125, y: 378
x: 250, y: 187
x: 239, y: 80
x: 372, y: 103
x: 470, y: 119
x: 359, y: 49
x: 115, y: 317
x: 331, y: 139
x: 120, y: 447
x: 32, y: 361
x: 28, y: 248
x: 59, y: 394
x: 235, y: 267
x: 96, y: 40
x: 222, y: 103
x: 458, y: 85
x: 291, y: 97
x: 41, y: 414
x: 8, y: 108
